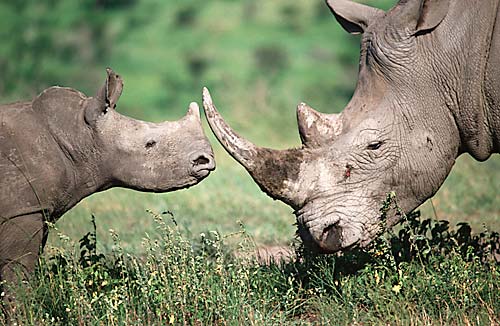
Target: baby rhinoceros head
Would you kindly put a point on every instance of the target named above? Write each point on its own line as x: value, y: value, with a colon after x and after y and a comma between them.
x: 147, y: 156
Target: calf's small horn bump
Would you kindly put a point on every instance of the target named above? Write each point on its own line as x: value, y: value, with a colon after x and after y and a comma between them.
x: 194, y: 109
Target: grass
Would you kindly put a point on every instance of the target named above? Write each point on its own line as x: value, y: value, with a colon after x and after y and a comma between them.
x: 429, y: 275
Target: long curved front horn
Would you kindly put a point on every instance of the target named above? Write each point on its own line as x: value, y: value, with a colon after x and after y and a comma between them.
x: 275, y: 171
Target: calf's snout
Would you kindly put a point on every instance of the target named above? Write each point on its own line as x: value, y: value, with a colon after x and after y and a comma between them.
x: 202, y: 163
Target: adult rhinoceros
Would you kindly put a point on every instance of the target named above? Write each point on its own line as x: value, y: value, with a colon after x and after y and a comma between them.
x: 428, y: 91
x: 64, y: 146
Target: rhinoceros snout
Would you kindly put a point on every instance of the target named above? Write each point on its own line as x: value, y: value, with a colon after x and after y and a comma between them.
x: 202, y: 163
x: 331, y: 239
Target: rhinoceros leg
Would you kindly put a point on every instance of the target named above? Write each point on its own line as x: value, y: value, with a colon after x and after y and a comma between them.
x: 20, y: 241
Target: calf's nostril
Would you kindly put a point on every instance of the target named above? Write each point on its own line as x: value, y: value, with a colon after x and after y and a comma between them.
x: 201, y: 160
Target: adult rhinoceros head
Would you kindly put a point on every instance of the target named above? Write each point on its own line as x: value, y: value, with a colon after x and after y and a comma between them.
x: 394, y: 135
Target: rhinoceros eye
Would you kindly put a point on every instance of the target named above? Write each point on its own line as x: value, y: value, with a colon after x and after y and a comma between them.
x: 374, y: 145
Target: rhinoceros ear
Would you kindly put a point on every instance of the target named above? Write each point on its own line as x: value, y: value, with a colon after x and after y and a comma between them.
x: 112, y: 89
x: 354, y: 17
x: 317, y: 129
x: 422, y: 15
x: 105, y: 99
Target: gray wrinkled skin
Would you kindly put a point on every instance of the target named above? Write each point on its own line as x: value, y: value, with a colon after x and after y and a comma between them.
x: 64, y: 146
x: 428, y: 90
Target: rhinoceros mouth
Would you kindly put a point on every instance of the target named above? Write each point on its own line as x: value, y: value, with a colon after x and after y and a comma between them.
x: 331, y: 240
x: 201, y: 174
x: 324, y: 228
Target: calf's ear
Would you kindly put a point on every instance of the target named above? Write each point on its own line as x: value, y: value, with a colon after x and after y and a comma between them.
x: 112, y: 89
x: 354, y: 17
x: 422, y: 15
x: 105, y: 99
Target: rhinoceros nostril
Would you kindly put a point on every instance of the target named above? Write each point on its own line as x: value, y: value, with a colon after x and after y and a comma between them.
x: 201, y: 160
x: 202, y: 164
x: 328, y: 229
x: 150, y: 143
x: 331, y: 239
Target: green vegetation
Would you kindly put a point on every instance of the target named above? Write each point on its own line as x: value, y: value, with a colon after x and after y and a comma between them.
x: 259, y: 58
x: 428, y: 275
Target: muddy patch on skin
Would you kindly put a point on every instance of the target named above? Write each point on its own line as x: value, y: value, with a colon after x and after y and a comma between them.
x: 274, y: 169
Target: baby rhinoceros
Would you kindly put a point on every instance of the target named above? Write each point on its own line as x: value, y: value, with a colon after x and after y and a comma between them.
x: 64, y: 146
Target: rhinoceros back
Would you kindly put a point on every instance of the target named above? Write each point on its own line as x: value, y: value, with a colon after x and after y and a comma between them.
x: 31, y: 162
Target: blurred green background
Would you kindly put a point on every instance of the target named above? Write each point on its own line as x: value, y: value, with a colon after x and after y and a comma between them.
x: 259, y: 58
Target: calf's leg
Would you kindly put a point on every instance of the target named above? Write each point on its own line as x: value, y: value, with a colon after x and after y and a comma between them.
x: 21, y: 239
